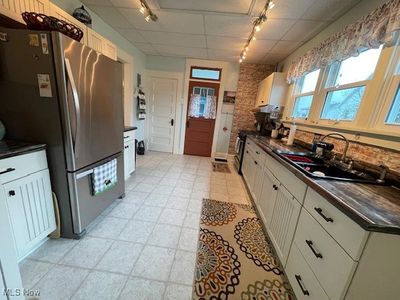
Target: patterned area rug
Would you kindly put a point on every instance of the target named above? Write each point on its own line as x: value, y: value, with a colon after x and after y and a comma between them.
x: 234, y: 259
x: 221, y: 167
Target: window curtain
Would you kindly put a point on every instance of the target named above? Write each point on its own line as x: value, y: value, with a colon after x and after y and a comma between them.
x: 381, y: 26
x: 210, y: 107
x: 194, y: 106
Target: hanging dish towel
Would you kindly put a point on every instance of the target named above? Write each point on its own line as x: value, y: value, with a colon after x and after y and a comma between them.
x: 104, y: 177
x: 237, y: 148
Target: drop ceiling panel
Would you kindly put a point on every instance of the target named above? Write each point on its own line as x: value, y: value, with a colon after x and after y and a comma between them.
x: 181, y: 51
x: 219, y: 54
x: 227, y: 43
x: 220, y: 6
x: 146, y: 47
x: 167, y: 21
x: 275, y: 29
x: 284, y: 47
x: 328, y: 10
x: 126, y: 3
x: 175, y: 39
x: 287, y: 9
x: 97, y: 2
x: 112, y: 16
x: 303, y: 30
x: 262, y: 45
x: 228, y: 26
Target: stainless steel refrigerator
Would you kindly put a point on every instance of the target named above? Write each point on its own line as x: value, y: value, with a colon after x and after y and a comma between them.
x: 57, y: 91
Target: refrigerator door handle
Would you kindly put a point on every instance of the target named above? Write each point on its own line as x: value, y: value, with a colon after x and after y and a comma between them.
x: 76, y: 104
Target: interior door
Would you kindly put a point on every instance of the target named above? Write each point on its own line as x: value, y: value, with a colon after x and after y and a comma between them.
x: 163, y: 94
x: 200, y: 129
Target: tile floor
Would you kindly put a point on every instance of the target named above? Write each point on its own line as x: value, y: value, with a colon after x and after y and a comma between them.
x: 143, y: 246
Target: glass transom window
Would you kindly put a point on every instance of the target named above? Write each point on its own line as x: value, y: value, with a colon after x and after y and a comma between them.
x: 205, y: 73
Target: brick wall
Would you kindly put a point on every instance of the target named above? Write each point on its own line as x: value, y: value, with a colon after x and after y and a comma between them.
x: 250, y: 75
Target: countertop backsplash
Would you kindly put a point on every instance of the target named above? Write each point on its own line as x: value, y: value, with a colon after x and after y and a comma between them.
x: 366, y: 157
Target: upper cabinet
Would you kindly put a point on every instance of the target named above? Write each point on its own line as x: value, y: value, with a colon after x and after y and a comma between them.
x: 14, y: 8
x: 272, y: 90
x: 57, y: 12
x: 100, y: 44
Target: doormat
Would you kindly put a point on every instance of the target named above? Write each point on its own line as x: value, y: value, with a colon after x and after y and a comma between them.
x: 221, y: 167
x: 235, y: 259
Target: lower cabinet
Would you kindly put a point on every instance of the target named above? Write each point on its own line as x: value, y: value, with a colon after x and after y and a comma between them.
x: 31, y: 211
x: 267, y: 197
x: 129, y: 153
x: 285, y: 213
x: 304, y: 283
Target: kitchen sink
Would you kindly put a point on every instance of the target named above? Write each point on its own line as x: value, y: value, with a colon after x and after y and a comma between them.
x: 317, y: 167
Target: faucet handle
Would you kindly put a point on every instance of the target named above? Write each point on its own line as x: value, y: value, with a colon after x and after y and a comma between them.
x: 384, y: 170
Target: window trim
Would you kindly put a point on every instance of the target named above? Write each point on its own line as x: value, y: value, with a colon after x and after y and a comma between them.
x: 205, y: 68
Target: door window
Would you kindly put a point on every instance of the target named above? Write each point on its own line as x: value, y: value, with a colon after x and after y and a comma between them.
x: 203, y: 103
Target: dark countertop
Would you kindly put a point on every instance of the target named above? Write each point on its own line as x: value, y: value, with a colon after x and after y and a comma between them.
x: 373, y: 207
x: 9, y: 148
x: 129, y: 128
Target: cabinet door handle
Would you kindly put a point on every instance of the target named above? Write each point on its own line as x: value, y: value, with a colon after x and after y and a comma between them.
x: 7, y: 171
x: 319, y: 211
x: 310, y: 244
x: 11, y: 193
x: 298, y: 279
x: 126, y: 147
x: 257, y: 152
x: 256, y: 162
x: 247, y: 151
x: 126, y: 137
x: 275, y: 187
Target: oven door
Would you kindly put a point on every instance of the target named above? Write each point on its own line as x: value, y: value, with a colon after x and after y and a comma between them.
x: 239, y: 156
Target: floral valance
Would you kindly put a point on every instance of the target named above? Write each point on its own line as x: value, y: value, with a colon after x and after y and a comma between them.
x: 381, y: 26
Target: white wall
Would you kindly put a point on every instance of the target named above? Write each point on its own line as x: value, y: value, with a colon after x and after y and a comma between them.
x: 353, y: 15
x: 139, y: 58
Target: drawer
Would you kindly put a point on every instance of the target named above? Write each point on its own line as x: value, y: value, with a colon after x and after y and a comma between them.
x: 129, y: 135
x: 304, y: 283
x: 19, y: 166
x: 294, y: 185
x: 344, y: 230
x: 330, y: 263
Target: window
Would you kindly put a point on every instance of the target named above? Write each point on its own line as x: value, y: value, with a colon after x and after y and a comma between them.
x: 205, y: 73
x: 394, y: 112
x: 303, y: 94
x: 346, y: 84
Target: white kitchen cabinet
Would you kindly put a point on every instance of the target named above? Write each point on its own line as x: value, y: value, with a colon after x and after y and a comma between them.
x: 14, y: 8
x: 285, y: 214
x: 267, y: 198
x: 28, y: 199
x: 129, y: 153
x: 31, y: 210
x: 57, y: 12
x: 10, y: 276
x: 272, y: 90
x: 110, y: 49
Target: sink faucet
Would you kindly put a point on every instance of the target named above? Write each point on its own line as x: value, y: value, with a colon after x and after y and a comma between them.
x: 344, y: 139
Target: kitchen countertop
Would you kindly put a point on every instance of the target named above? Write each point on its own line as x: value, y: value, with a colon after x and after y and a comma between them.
x: 9, y: 148
x: 373, y: 207
x: 129, y: 128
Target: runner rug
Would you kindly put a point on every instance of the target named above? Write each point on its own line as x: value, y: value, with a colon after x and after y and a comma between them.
x: 234, y: 258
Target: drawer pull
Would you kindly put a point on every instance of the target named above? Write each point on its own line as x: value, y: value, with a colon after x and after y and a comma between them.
x: 305, y: 292
x: 310, y: 244
x: 126, y: 137
x: 319, y: 211
x: 275, y: 187
x: 7, y: 171
x: 247, y: 151
x: 126, y: 147
x: 257, y: 152
x: 256, y: 162
x: 11, y: 193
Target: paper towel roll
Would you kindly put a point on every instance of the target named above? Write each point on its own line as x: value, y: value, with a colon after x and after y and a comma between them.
x: 292, y: 133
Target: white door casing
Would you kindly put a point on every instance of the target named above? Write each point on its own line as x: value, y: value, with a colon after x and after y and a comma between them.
x: 163, y: 94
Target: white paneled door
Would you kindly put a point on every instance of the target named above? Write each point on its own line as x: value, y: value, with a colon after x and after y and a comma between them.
x: 162, y: 100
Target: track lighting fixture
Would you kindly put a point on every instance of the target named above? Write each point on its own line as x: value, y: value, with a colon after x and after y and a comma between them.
x: 256, y: 27
x: 146, y: 11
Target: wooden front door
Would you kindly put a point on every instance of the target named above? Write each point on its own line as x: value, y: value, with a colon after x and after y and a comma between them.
x: 200, y: 129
